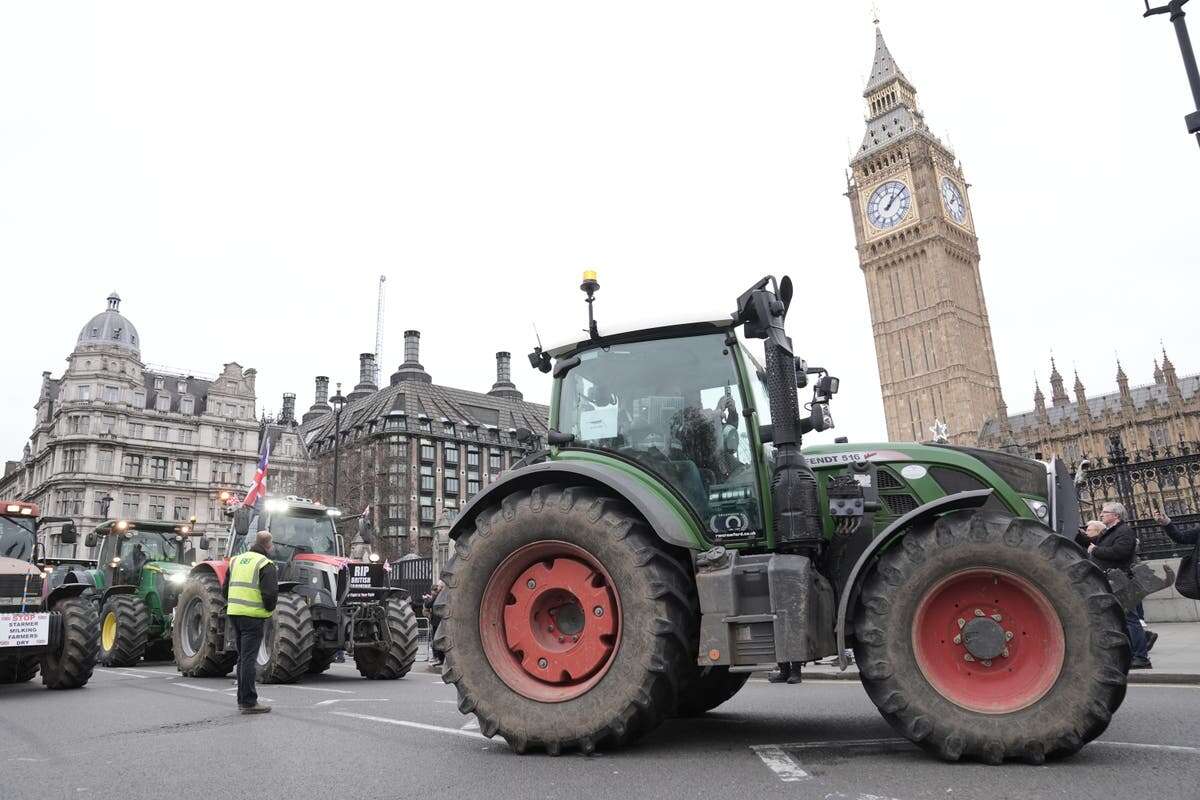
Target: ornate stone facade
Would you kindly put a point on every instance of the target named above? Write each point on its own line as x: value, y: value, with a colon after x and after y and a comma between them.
x: 919, y: 255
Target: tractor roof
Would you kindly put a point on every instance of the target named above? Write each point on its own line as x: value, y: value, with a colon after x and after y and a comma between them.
x: 152, y: 525
x: 640, y: 331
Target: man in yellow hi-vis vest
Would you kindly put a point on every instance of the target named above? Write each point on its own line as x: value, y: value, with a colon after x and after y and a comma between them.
x: 251, y: 592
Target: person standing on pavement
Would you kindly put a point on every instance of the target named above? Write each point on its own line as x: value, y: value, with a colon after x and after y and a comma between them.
x: 1116, y: 548
x: 250, y: 595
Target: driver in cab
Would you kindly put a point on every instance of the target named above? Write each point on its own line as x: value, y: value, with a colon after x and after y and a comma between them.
x: 250, y: 595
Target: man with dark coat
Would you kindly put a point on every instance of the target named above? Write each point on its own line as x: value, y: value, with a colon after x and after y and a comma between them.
x: 1116, y: 548
x: 251, y: 593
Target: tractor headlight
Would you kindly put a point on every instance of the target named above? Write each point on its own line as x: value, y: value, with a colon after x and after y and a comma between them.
x: 177, y: 578
x: 373, y: 558
x: 1039, y: 509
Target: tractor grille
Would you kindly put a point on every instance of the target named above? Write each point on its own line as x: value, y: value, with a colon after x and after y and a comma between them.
x: 14, y: 585
x: 899, y: 504
x: 887, y: 480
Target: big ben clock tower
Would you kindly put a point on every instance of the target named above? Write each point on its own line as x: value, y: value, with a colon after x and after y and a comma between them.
x: 919, y: 255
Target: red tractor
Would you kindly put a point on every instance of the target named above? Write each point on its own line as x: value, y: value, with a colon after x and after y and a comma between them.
x: 327, y: 602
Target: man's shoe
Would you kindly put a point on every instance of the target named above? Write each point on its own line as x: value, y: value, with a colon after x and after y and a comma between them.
x: 256, y: 709
x: 1151, y: 638
x: 794, y: 677
x: 776, y: 676
x: 1141, y: 663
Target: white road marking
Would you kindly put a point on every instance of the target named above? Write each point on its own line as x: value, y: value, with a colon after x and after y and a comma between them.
x: 449, y: 702
x: 197, y: 688
x: 352, y: 700
x: 314, y: 688
x: 1170, y: 748
x: 125, y: 674
x: 786, y: 768
x: 406, y: 724
x: 470, y: 725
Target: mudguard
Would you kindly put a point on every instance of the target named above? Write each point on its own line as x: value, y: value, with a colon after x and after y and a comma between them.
x: 121, y: 589
x: 664, y: 520
x: 901, y: 526
x: 218, y: 568
x: 66, y: 590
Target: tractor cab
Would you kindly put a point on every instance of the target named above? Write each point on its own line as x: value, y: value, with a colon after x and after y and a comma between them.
x: 129, y: 548
x: 298, y: 526
x: 21, y: 548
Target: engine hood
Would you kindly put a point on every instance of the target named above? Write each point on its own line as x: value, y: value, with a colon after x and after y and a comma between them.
x: 14, y: 566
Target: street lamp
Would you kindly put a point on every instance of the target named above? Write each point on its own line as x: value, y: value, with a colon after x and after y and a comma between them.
x: 338, y: 402
x: 1175, y: 9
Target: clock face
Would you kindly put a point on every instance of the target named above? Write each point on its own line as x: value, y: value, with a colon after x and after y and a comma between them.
x: 888, y: 204
x: 953, y: 199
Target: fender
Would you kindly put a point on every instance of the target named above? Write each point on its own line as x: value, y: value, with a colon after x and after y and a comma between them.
x: 900, y: 527
x: 661, y: 518
x: 217, y: 568
x: 65, y: 590
x: 122, y: 589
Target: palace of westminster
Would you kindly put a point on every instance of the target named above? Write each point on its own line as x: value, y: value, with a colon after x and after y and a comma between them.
x: 115, y: 436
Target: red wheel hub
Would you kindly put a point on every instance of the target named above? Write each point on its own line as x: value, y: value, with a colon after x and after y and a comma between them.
x: 988, y: 640
x: 550, y: 621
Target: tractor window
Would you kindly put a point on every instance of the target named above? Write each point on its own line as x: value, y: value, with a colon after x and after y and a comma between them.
x: 675, y: 407
x: 16, y: 539
x: 292, y: 534
x: 138, y: 547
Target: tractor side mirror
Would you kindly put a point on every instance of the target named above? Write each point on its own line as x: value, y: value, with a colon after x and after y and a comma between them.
x: 69, y: 534
x: 241, y: 521
x: 205, y: 543
x: 89, y: 540
x: 785, y: 293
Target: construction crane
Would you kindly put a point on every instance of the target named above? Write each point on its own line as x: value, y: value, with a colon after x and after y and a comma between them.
x: 379, y: 329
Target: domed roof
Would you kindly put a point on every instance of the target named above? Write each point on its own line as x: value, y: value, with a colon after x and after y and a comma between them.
x: 110, y: 328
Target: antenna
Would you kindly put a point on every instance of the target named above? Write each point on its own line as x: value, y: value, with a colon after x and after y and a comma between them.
x: 379, y: 329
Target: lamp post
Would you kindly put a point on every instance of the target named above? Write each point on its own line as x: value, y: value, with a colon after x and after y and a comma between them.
x: 338, y: 402
x: 1175, y: 9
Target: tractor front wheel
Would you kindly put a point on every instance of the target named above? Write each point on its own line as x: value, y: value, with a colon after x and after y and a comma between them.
x: 988, y: 637
x: 287, y: 643
x: 199, y: 629
x: 124, y: 630
x: 396, y: 658
x: 71, y: 665
x: 566, y: 622
x: 18, y: 669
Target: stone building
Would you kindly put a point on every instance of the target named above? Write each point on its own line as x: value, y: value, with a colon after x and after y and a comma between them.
x: 116, y: 437
x: 290, y: 470
x: 414, y: 451
x: 916, y: 245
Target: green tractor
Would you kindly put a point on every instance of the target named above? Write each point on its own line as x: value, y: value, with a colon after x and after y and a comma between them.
x: 141, y: 569
x: 673, y: 538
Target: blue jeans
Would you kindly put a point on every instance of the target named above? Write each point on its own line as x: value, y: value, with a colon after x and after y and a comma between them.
x: 1137, y: 636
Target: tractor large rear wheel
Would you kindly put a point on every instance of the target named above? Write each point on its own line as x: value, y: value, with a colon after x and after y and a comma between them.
x: 396, y: 659
x: 18, y: 669
x: 287, y: 643
x: 566, y: 623
x: 986, y: 637
x: 199, y: 629
x: 71, y: 665
x: 707, y: 688
x: 124, y: 630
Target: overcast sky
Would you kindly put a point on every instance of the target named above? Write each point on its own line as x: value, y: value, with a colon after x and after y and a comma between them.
x: 243, y: 172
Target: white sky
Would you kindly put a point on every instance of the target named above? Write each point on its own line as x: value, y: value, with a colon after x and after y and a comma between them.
x: 242, y: 172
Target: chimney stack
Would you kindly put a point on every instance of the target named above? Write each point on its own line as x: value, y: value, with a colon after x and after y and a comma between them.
x: 504, y: 387
x: 320, y: 404
x: 366, y: 377
x: 411, y: 369
x: 288, y: 415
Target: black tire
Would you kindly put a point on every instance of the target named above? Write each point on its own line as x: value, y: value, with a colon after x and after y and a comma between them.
x: 287, y: 645
x: 131, y: 630
x: 71, y: 667
x: 658, y: 626
x: 707, y: 688
x: 18, y: 669
x: 321, y: 660
x: 198, y: 634
x: 1085, y: 693
x: 397, y: 659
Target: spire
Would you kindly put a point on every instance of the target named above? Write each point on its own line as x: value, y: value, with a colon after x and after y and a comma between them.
x: 1158, y: 373
x: 1123, y: 384
x: 1056, y: 385
x: 1039, y: 399
x: 1166, y: 363
x: 884, y: 68
x: 1170, y: 378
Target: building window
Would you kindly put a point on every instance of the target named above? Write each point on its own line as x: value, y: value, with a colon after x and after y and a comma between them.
x: 73, y: 458
x: 393, y: 423
x: 451, y: 485
x: 101, y: 499
x: 181, y: 386
x: 1159, y: 438
x: 397, y: 449
x: 129, y: 505
x: 162, y: 403
x: 472, y: 456
x: 427, y: 452
x: 425, y: 425
x: 450, y: 455
x: 139, y: 399
x: 70, y: 503
x: 77, y: 423
x: 427, y: 484
x: 84, y: 392
x: 495, y: 461
x: 158, y: 506
x: 426, y: 508
x: 448, y: 428
x: 137, y: 430
x: 159, y: 383
x: 112, y: 394
x: 472, y: 487
x: 158, y: 468
x: 132, y: 466
x: 107, y: 423
x: 104, y: 461
x: 185, y: 436
x: 183, y: 470
x: 186, y: 405
x: 183, y: 509
x: 160, y: 433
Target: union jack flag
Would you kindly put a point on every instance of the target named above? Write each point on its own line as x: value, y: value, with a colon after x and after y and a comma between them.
x: 258, y: 488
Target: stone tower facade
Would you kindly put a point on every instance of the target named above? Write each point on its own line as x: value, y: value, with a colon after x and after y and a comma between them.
x: 917, y: 249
